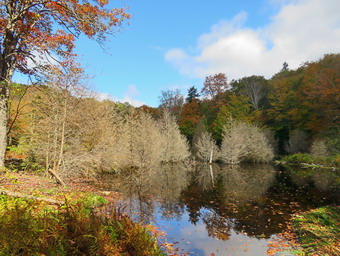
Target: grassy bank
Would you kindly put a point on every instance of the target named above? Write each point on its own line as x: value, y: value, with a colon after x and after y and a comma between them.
x: 83, y: 224
x: 312, y: 233
x: 318, y: 231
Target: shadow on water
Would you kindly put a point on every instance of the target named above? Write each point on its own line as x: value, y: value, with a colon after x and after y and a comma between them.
x: 226, y: 210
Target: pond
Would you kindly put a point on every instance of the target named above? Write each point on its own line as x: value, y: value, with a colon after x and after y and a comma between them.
x: 224, y: 210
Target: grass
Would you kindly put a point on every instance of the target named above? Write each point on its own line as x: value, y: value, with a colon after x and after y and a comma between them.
x: 79, y: 227
x: 318, y: 230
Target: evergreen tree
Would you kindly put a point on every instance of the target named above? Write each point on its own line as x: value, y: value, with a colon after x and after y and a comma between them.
x: 192, y: 94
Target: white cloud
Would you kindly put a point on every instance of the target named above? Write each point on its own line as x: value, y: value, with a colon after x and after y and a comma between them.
x: 132, y: 90
x: 102, y: 96
x: 39, y: 59
x: 128, y: 97
x: 131, y: 101
x: 302, y: 30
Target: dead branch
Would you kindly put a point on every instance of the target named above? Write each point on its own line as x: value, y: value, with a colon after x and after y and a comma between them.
x: 55, y: 175
x: 17, y: 194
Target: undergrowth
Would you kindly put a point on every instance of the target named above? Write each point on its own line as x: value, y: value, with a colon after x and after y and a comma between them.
x: 33, y: 228
x: 318, y: 231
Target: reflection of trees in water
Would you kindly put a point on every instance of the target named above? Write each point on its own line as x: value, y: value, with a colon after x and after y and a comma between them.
x: 239, y: 200
x: 141, y: 187
x: 323, y: 179
x: 217, y: 226
x: 254, y: 200
x: 206, y: 175
x: 244, y: 183
x: 168, y: 183
x: 247, y: 202
x: 326, y: 179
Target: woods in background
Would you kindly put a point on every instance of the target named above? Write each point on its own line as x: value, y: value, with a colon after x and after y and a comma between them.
x: 61, y: 126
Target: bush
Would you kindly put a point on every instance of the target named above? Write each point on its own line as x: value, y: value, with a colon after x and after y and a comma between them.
x: 31, y: 228
x: 319, y: 149
x: 244, y: 142
x: 206, y: 147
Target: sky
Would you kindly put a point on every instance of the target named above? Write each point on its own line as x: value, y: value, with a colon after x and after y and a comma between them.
x: 176, y: 44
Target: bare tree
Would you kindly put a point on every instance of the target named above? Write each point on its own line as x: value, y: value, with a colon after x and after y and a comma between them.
x: 207, y: 149
x: 244, y: 142
x: 55, y: 121
x: 258, y: 148
x: 172, y: 100
x: 134, y: 143
x: 255, y: 89
x: 234, y: 143
x: 174, y: 144
x: 319, y: 149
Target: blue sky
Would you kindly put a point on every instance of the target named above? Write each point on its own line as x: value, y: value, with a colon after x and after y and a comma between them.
x: 175, y: 44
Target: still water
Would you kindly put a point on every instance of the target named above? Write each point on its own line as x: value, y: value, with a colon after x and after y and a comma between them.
x: 225, y: 210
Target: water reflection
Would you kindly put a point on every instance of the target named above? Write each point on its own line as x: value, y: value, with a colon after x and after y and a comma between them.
x: 242, y: 184
x: 203, y: 204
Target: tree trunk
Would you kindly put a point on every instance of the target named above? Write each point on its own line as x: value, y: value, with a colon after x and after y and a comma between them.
x: 62, y: 136
x: 211, y: 154
x: 4, y: 94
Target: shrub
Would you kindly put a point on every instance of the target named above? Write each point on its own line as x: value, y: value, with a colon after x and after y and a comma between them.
x: 244, y: 142
x: 206, y: 147
x: 31, y: 228
x: 174, y: 146
x: 319, y: 149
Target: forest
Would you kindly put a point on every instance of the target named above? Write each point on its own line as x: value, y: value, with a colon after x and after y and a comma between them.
x: 58, y: 125
x: 61, y: 146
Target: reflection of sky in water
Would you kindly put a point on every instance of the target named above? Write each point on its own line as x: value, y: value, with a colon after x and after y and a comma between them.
x: 194, y: 239
x: 230, y: 210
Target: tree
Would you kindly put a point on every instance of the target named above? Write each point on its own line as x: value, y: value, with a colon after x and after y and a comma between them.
x: 233, y: 147
x: 255, y: 87
x: 207, y: 149
x: 284, y: 108
x: 244, y: 142
x: 175, y: 146
x: 297, y: 142
x: 215, y: 85
x: 319, y: 149
x: 214, y: 89
x: 171, y: 100
x: 66, y: 127
x: 190, y: 116
x: 192, y: 94
x: 35, y: 33
x: 238, y: 108
x: 139, y: 130
x: 284, y: 67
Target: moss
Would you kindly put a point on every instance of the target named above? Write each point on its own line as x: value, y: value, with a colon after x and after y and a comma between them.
x: 297, y: 158
x: 306, y: 160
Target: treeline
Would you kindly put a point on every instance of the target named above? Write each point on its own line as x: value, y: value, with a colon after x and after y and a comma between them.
x: 61, y: 126
x: 294, y: 108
